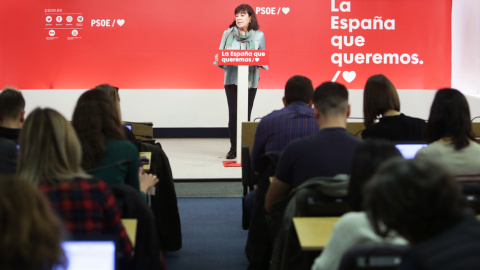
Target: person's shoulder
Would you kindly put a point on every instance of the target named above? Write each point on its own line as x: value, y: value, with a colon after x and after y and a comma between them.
x: 121, y: 144
x: 273, y: 114
x: 87, y: 182
x: 413, y: 119
x: 353, y: 218
x: 433, y: 150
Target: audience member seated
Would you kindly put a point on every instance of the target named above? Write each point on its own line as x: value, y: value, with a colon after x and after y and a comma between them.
x: 451, y: 140
x: 295, y: 120
x: 106, y: 153
x: 424, y: 204
x: 50, y: 158
x: 354, y: 228
x: 112, y: 91
x: 326, y: 153
x: 8, y: 156
x: 380, y: 99
x: 31, y: 233
x: 12, y: 113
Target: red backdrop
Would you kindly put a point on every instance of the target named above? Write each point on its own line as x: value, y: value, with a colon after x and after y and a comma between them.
x: 171, y: 44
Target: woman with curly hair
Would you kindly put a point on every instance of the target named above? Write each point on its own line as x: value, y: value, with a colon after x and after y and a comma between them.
x: 106, y: 152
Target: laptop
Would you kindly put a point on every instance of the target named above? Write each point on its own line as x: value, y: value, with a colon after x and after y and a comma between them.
x: 409, y: 150
x: 89, y: 254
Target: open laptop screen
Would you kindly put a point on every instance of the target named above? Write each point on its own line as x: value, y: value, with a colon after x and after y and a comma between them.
x: 90, y: 255
x: 409, y: 150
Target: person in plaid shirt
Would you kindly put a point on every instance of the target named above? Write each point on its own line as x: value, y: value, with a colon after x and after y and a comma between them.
x: 50, y: 158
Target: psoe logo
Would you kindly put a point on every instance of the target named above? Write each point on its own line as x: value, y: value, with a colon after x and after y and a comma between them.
x: 48, y: 19
x: 74, y: 33
x: 51, y: 32
x: 59, y: 19
x: 80, y: 19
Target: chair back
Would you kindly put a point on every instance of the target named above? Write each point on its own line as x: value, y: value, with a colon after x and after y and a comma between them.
x: 472, y: 194
x: 373, y: 257
x: 332, y: 198
x: 132, y: 205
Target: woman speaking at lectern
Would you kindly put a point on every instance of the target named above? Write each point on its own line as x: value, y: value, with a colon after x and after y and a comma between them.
x: 242, y: 34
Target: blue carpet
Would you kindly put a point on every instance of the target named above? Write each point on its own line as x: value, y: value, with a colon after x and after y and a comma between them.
x: 212, y: 235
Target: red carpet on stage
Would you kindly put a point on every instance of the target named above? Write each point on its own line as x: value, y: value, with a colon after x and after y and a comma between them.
x: 231, y: 163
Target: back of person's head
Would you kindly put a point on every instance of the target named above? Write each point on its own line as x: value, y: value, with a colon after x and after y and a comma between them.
x: 379, y: 96
x: 12, y: 104
x: 112, y: 91
x: 366, y: 159
x: 96, y: 119
x: 298, y: 88
x: 331, y: 99
x: 450, y: 118
x: 416, y: 198
x: 49, y: 148
x: 31, y: 233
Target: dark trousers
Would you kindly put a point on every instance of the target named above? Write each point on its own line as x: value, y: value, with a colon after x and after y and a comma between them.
x: 231, y: 92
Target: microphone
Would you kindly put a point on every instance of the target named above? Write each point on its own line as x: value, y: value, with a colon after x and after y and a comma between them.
x: 118, y: 163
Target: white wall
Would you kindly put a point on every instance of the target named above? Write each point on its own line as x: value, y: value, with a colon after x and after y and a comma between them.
x: 208, y: 107
x: 466, y: 46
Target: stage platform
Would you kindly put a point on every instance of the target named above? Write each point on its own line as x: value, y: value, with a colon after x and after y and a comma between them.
x: 199, y: 159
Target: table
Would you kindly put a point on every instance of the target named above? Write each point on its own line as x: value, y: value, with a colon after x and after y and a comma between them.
x: 314, y: 232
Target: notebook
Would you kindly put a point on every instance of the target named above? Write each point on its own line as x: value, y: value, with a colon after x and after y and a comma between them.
x: 409, y: 150
x: 90, y: 255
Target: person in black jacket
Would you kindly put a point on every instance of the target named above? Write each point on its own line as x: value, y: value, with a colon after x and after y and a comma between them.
x: 380, y: 100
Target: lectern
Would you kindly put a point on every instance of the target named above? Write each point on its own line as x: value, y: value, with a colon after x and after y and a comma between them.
x: 242, y: 59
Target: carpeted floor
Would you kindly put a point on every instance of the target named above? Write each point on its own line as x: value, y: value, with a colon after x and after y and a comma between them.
x: 212, y: 235
x: 208, y: 189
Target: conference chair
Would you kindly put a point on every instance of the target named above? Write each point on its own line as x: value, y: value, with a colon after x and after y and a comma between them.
x: 133, y: 206
x: 164, y: 203
x: 472, y: 194
x: 247, y: 183
x: 373, y: 257
x: 259, y: 241
x: 325, y: 191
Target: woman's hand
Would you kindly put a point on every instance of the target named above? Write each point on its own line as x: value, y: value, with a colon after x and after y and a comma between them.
x: 147, y: 180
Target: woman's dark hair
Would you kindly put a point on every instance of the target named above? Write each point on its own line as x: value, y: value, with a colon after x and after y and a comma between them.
x: 96, y: 119
x: 413, y: 197
x: 366, y: 159
x: 379, y: 96
x: 450, y: 117
x: 244, y: 8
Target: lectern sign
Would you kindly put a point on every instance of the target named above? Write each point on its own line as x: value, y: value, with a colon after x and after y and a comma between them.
x: 243, y: 57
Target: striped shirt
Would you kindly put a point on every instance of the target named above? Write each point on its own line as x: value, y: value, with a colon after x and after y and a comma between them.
x: 280, y: 127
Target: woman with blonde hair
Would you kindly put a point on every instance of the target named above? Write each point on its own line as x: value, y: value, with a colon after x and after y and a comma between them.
x: 380, y: 101
x: 50, y: 158
x: 31, y: 233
